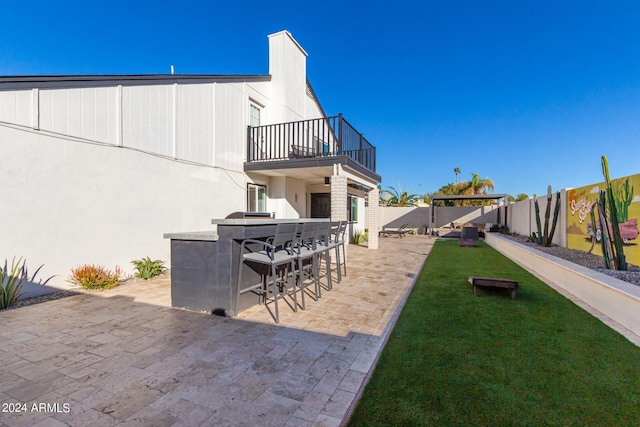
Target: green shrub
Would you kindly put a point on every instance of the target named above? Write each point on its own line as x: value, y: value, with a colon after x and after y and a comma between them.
x: 359, y: 237
x: 146, y: 269
x: 11, y: 281
x: 92, y: 276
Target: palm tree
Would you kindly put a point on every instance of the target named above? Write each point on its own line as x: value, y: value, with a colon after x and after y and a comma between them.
x: 456, y: 170
x: 477, y: 186
x: 480, y: 185
x: 401, y: 197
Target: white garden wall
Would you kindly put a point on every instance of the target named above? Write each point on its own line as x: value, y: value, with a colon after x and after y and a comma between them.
x: 522, y: 217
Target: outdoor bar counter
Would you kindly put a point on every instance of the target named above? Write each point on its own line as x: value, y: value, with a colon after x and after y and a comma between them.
x: 204, y: 264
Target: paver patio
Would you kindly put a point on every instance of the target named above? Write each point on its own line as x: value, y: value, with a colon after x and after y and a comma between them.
x: 125, y: 356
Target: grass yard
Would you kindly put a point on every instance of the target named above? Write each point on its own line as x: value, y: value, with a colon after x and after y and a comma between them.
x: 456, y: 359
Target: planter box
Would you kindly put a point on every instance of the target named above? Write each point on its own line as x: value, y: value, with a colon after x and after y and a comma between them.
x: 612, y: 297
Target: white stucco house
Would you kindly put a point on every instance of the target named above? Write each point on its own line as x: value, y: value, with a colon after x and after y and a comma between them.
x: 96, y: 168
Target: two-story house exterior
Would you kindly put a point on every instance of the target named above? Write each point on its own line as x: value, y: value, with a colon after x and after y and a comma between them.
x: 95, y: 168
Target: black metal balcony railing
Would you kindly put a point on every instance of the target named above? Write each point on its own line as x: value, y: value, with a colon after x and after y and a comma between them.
x: 326, y: 137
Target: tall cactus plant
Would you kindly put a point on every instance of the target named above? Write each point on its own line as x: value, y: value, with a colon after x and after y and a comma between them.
x: 538, y: 225
x: 620, y: 260
x: 546, y: 238
x: 556, y: 213
x: 605, y: 240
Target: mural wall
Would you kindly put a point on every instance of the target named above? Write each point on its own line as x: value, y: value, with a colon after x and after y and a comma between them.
x: 582, y: 235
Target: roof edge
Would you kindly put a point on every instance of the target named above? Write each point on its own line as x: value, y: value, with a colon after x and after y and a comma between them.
x: 21, y: 82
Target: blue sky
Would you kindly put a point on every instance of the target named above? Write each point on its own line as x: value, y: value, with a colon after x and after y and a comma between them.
x: 524, y: 93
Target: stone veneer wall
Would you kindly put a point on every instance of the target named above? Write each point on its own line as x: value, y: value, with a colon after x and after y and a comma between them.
x: 339, y: 205
x: 339, y: 198
x: 373, y: 218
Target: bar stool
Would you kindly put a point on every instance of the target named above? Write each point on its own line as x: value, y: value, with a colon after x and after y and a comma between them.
x: 323, y: 247
x: 306, y: 259
x: 337, y: 239
x: 273, y: 255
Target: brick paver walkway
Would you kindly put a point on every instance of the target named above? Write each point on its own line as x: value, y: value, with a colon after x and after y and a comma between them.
x: 124, y: 356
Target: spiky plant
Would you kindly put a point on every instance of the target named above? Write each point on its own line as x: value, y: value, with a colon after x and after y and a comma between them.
x: 11, y: 281
x: 545, y: 238
x: 146, y: 269
x: 620, y: 260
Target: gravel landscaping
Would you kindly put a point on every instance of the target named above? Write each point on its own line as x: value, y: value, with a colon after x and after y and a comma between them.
x: 64, y: 294
x: 592, y: 261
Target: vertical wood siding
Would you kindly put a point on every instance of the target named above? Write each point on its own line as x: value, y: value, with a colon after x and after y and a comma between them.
x: 231, y: 134
x: 195, y: 123
x: 87, y: 113
x: 15, y: 107
x: 172, y: 120
x: 147, y: 118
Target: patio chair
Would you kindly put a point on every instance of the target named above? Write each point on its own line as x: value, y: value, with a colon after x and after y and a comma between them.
x: 468, y: 237
x: 400, y: 232
x: 278, y: 258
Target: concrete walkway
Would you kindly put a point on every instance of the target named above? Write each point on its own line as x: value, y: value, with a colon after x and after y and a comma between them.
x: 124, y: 356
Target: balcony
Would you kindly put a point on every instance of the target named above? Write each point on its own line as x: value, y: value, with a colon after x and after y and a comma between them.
x: 310, y: 143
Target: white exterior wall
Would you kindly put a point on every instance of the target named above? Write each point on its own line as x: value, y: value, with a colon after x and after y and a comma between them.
x: 295, y: 197
x: 312, y: 108
x: 277, y: 193
x: 287, y: 197
x: 67, y: 203
x: 288, y: 68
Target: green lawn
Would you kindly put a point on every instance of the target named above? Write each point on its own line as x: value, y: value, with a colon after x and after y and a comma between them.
x: 456, y: 359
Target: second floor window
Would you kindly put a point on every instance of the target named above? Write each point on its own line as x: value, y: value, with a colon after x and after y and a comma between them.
x: 254, y: 115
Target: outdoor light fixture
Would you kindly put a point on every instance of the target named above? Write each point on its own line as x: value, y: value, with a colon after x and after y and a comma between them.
x: 327, y: 180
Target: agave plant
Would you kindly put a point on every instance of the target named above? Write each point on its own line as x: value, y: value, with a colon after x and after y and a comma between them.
x: 11, y: 281
x: 146, y: 269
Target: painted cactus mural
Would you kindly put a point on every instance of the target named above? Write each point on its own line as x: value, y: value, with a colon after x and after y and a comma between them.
x: 586, y: 233
x: 623, y: 195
